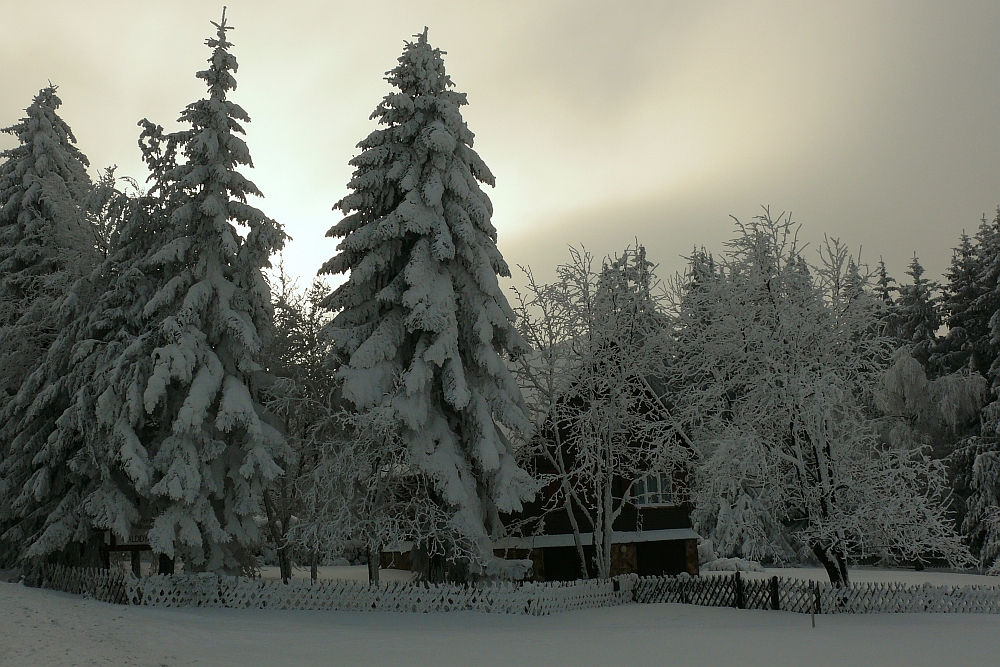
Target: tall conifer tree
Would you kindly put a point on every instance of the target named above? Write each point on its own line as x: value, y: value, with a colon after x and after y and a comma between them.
x: 45, y: 243
x: 43, y: 189
x: 178, y: 408
x: 967, y: 329
x: 917, y: 314
x: 423, y: 326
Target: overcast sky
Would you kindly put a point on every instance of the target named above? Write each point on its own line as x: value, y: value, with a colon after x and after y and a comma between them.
x: 875, y: 122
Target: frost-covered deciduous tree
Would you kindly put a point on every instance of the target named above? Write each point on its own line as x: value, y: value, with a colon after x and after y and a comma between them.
x: 300, y: 392
x: 350, y: 484
x: 363, y: 490
x: 595, y: 388
x: 776, y: 390
x: 175, y: 403
x: 422, y: 326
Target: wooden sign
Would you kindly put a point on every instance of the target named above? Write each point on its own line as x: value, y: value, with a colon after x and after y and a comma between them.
x: 138, y: 539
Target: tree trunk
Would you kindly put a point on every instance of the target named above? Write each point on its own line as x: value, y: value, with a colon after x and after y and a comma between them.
x: 429, y: 568
x: 577, y: 538
x: 374, y: 561
x: 284, y: 563
x: 166, y: 564
x: 560, y: 465
x: 609, y: 527
x: 314, y: 567
x: 278, y: 535
x: 832, y: 558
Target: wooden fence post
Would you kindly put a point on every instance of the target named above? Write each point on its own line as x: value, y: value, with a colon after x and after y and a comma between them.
x: 812, y: 608
x: 775, y: 599
x: 738, y: 603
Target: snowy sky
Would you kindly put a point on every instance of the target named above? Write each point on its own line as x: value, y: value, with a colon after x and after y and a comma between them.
x: 603, y: 121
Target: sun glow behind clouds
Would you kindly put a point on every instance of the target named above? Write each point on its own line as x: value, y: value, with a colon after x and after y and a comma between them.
x: 602, y: 121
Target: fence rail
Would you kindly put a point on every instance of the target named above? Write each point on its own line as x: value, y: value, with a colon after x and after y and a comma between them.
x: 537, y: 599
x: 817, y: 597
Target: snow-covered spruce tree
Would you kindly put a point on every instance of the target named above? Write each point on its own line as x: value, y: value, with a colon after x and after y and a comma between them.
x: 44, y: 187
x: 103, y: 476
x: 791, y: 461
x: 423, y: 327
x: 961, y: 347
x: 45, y: 244
x: 975, y: 465
x: 917, y: 314
x: 53, y: 411
x: 884, y: 287
x: 987, y: 301
x: 971, y: 306
x: 176, y: 404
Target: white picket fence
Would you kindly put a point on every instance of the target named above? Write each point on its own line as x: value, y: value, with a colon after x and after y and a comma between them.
x: 785, y: 594
x: 210, y: 590
x: 536, y: 599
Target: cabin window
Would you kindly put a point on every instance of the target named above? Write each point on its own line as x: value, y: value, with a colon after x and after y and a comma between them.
x: 654, y: 489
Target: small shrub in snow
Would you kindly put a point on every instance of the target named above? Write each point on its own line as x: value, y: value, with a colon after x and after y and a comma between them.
x: 732, y: 565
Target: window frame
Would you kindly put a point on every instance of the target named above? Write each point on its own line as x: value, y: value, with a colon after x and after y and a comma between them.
x: 641, y: 495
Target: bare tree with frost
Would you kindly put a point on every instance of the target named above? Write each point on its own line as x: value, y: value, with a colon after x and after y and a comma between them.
x: 350, y: 485
x: 775, y: 370
x: 300, y: 393
x: 362, y: 490
x: 422, y: 327
x: 595, y: 389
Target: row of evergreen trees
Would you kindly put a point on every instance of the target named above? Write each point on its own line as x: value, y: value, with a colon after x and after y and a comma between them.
x: 137, y: 321
x: 953, y: 330
x: 137, y: 331
x: 151, y: 375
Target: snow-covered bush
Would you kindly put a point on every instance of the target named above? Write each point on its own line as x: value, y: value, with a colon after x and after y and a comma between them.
x: 732, y: 565
x: 706, y: 551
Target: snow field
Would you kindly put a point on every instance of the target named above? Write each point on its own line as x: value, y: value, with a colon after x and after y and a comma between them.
x: 44, y: 628
x: 348, y: 572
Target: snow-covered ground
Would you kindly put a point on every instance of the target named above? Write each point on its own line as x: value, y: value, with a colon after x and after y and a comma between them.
x: 42, y: 628
x: 351, y: 572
